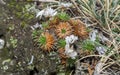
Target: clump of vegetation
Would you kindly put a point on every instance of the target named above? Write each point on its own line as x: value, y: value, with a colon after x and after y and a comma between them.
x: 54, y: 32
x: 61, y: 30
x: 88, y: 45
x: 46, y: 41
x: 63, y: 16
x: 13, y: 42
x: 61, y: 43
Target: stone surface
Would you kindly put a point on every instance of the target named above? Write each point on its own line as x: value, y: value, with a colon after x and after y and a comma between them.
x: 2, y: 42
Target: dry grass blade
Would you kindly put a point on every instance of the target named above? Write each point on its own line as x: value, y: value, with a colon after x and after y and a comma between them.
x: 54, y: 1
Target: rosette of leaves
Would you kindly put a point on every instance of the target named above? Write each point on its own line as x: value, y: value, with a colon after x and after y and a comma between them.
x: 46, y: 41
x: 88, y: 45
x: 63, y: 16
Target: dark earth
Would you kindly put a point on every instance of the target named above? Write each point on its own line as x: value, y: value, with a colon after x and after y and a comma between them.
x: 19, y: 47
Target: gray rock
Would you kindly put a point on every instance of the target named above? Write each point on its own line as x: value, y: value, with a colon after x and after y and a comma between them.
x: 2, y: 2
x: 2, y: 43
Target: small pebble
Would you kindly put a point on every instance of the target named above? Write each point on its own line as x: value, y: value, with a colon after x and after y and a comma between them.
x: 2, y: 42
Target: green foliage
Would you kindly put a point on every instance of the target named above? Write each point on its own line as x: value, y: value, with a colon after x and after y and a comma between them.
x: 63, y: 16
x: 62, y: 43
x: 63, y: 31
x: 42, y: 40
x: 36, y: 33
x: 13, y: 42
x: 45, y: 24
x: 70, y: 62
x: 88, y: 45
x: 23, y: 24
